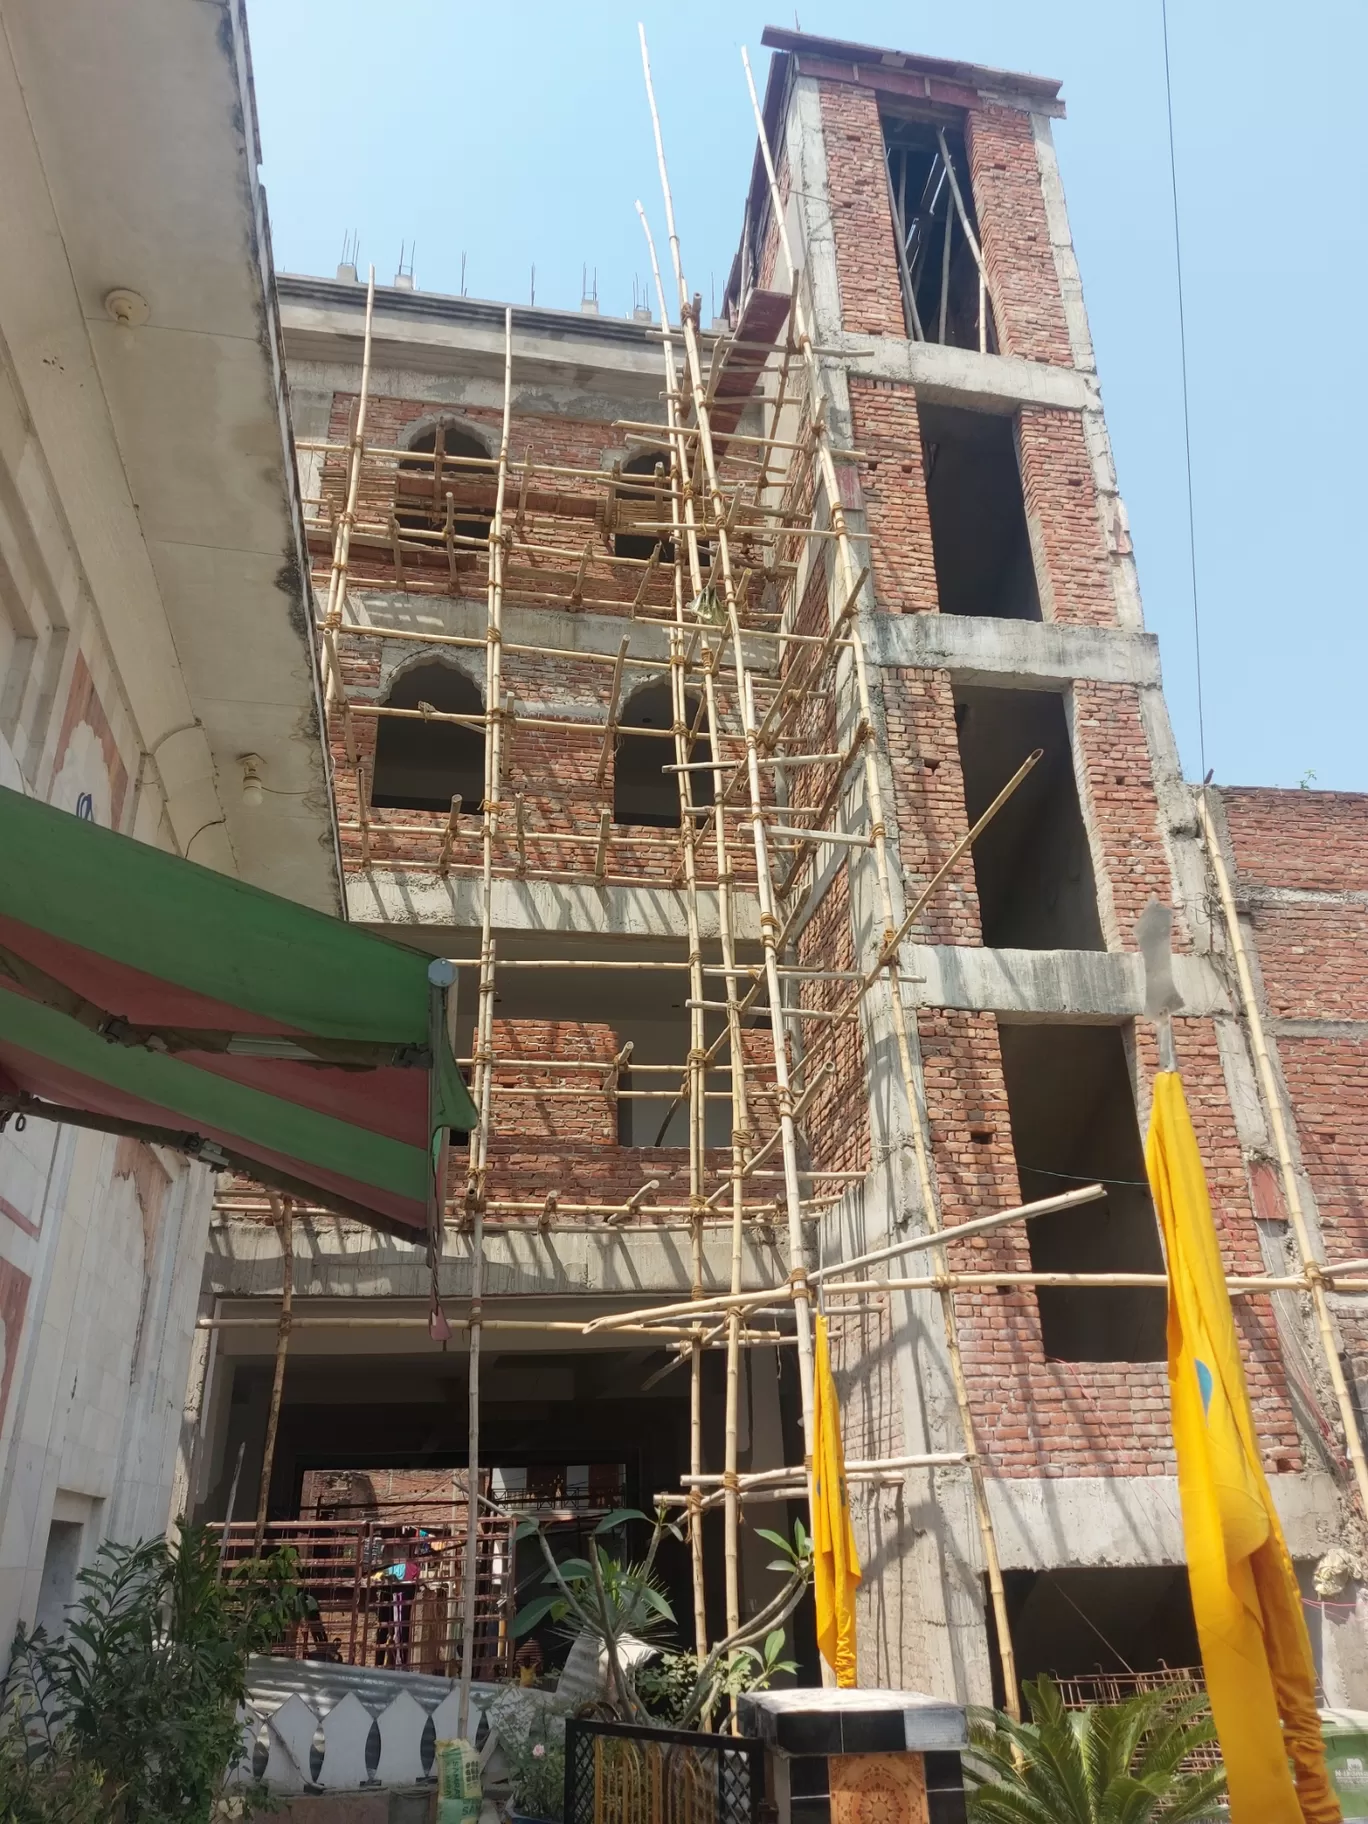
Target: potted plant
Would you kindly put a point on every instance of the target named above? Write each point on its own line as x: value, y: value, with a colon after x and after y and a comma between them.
x: 536, y: 1771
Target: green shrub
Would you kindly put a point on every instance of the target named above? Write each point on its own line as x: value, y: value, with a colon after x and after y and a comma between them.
x: 134, y: 1706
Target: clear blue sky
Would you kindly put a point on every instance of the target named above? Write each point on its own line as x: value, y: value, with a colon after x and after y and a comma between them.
x: 518, y: 134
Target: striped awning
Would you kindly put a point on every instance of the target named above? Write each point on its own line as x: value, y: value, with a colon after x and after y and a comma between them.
x: 142, y: 994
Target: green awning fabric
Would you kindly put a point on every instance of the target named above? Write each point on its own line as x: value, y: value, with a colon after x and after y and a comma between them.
x: 144, y: 994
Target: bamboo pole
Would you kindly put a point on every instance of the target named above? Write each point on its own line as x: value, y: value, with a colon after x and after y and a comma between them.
x: 686, y: 535
x: 1310, y: 1262
x: 480, y: 1147
x: 284, y: 1207
x: 337, y: 576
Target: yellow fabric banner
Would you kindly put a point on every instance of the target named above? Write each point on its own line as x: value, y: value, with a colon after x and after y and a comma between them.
x: 1255, y: 1649
x: 836, y: 1564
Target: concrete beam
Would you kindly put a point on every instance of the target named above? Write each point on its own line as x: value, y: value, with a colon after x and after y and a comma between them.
x: 541, y: 628
x: 1017, y: 655
x: 962, y: 376
x: 414, y: 899
x: 1103, y: 1521
x: 1097, y: 985
x: 340, y: 1259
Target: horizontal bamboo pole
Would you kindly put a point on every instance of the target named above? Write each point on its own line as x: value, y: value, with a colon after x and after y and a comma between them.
x: 1236, y: 1284
x: 853, y: 1466
x: 567, y: 1326
x: 936, y: 1238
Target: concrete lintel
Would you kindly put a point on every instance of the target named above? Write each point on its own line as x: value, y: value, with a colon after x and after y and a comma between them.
x: 1073, y: 1521
x: 339, y: 1259
x: 1025, y: 655
x: 962, y: 376
x: 1054, y: 984
x: 540, y: 628
x: 428, y: 906
x: 1353, y: 1032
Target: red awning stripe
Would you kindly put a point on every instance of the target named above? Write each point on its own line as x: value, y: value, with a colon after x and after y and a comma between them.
x: 53, y: 1082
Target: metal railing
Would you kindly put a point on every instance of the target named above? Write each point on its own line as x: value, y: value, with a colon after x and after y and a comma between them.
x: 1119, y: 1687
x: 623, y: 1773
x: 388, y: 1592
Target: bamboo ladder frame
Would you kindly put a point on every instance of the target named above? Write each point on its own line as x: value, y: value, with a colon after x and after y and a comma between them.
x: 685, y: 537
x: 769, y: 922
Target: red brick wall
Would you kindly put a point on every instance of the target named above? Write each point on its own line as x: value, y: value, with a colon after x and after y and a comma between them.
x: 894, y: 485
x: 837, y: 1122
x: 1038, y: 1416
x: 1027, y: 307
x: 928, y: 800
x: 1061, y: 505
x: 1119, y: 788
x: 1327, y: 1080
x: 1317, y: 841
x: 866, y: 257
x: 556, y: 770
x: 1311, y: 957
x: 1313, y: 960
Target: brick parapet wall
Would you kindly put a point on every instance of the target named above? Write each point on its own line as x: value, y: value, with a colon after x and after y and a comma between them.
x: 1317, y: 841
x: 1028, y: 309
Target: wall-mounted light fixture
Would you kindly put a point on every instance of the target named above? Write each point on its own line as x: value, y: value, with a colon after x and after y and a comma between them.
x: 253, y: 791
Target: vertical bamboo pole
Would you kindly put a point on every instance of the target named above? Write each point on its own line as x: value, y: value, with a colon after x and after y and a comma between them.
x: 874, y: 791
x: 726, y: 938
x: 697, y: 1037
x: 337, y: 576
x: 769, y: 922
x: 284, y: 1209
x: 1310, y: 1264
x: 484, y: 1060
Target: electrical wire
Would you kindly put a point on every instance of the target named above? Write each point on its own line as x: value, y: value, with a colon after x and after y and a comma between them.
x: 1187, y: 426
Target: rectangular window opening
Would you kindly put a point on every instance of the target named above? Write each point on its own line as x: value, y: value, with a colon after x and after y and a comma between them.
x: 943, y: 300
x: 1104, y: 1632
x: 979, y: 538
x: 1032, y: 864
x: 1073, y: 1119
x: 61, y: 1563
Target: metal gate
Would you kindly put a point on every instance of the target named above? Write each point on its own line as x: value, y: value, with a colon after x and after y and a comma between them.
x: 625, y: 1773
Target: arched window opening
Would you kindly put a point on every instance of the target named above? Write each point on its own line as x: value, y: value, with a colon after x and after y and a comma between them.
x: 420, y: 504
x: 422, y: 765
x: 643, y: 499
x: 643, y: 792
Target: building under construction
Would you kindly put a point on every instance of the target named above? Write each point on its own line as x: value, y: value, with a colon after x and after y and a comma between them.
x: 759, y: 713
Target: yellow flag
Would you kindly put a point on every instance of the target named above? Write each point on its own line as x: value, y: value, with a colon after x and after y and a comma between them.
x: 1255, y: 1650
x: 836, y: 1566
